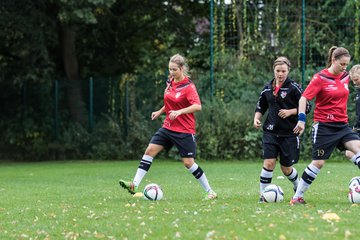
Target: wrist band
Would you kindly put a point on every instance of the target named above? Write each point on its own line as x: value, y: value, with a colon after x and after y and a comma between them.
x: 302, y: 117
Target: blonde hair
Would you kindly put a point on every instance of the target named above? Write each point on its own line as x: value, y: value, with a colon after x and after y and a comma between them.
x: 336, y: 53
x: 355, y: 71
x: 181, y: 62
x: 280, y: 61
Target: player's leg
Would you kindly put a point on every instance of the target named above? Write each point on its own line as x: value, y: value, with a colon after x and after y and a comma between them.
x: 289, y: 155
x: 291, y: 174
x: 307, y: 178
x: 145, y: 163
x: 266, y: 173
x: 199, y: 174
x: 186, y: 144
x: 351, y: 143
x: 350, y: 155
x: 324, y: 140
x: 157, y: 143
x: 354, y: 147
x: 270, y: 152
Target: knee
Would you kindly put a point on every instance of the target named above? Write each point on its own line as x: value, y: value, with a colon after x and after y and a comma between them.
x: 349, y: 154
x: 318, y: 163
x: 269, y: 164
x: 286, y: 170
x: 152, y: 150
x: 188, y: 162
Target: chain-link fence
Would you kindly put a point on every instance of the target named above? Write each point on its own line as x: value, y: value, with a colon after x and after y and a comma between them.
x: 259, y: 30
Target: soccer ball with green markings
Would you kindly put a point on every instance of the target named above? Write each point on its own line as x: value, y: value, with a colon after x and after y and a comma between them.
x: 153, y: 192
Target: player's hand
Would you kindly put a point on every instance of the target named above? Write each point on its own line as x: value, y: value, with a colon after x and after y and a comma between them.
x: 155, y: 115
x: 299, y: 128
x: 284, y: 113
x: 257, y: 123
x: 174, y: 114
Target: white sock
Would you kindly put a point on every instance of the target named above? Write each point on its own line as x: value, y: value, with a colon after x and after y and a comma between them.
x: 200, y: 176
x: 145, y: 164
x: 309, y: 175
x: 353, y: 159
x: 265, y: 178
x: 293, y: 177
x: 356, y: 159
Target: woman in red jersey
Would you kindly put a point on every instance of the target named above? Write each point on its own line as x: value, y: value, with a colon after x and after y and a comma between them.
x: 330, y: 88
x: 181, y: 100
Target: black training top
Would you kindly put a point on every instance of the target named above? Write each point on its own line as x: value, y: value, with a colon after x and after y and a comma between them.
x: 357, y: 100
x: 287, y: 98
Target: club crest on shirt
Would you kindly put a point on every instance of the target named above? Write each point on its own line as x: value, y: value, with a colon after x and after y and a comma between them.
x: 346, y: 86
x: 270, y: 127
x: 331, y: 87
x: 178, y: 94
x: 283, y: 94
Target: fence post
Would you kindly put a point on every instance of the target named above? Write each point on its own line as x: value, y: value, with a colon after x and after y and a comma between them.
x: 56, y: 110
x: 127, y: 106
x: 303, y: 47
x: 211, y: 49
x: 91, y: 104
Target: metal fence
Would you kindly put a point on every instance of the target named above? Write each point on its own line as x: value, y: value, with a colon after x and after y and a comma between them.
x: 301, y: 30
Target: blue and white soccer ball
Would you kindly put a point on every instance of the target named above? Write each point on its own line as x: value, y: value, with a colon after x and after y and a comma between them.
x: 272, y: 193
x: 354, y: 194
x: 153, y: 192
x: 355, y: 181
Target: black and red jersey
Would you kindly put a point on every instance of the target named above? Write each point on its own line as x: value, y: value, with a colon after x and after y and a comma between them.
x: 357, y: 100
x: 331, y: 93
x: 287, y: 97
x: 177, y: 96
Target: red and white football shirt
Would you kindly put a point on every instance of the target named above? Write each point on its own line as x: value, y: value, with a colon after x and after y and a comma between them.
x: 181, y: 95
x: 332, y: 93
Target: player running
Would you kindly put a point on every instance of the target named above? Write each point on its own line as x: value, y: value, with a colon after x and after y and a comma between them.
x: 181, y: 100
x: 330, y: 129
x: 280, y: 97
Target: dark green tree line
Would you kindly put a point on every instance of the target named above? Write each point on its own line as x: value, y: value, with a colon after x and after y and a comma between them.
x: 125, y: 46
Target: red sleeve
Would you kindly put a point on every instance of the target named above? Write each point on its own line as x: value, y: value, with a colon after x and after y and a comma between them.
x: 313, y: 88
x: 193, y: 96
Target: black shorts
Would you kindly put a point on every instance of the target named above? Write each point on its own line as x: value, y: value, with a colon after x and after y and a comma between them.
x: 327, y: 136
x: 287, y: 147
x: 185, y: 142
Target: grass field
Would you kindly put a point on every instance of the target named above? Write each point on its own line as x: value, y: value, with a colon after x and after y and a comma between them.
x: 82, y: 200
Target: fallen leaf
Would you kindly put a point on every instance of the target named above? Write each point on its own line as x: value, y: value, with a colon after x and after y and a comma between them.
x: 282, y: 237
x: 331, y: 217
x: 347, y: 234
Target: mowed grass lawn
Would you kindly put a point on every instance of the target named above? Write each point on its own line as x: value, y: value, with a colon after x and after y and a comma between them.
x: 82, y: 200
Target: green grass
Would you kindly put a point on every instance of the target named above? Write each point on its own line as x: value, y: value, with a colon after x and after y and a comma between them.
x: 82, y: 200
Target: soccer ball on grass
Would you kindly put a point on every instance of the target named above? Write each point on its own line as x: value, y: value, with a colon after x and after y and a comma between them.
x: 153, y: 192
x: 354, y: 194
x: 273, y: 193
x: 355, y: 181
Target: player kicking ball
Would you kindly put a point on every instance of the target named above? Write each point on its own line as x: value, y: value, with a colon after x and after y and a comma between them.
x: 181, y: 101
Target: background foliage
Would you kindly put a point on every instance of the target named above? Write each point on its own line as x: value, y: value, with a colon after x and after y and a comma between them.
x: 50, y: 49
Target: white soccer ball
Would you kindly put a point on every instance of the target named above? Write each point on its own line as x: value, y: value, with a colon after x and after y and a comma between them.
x: 153, y: 192
x: 354, y: 194
x: 273, y: 193
x: 355, y: 181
